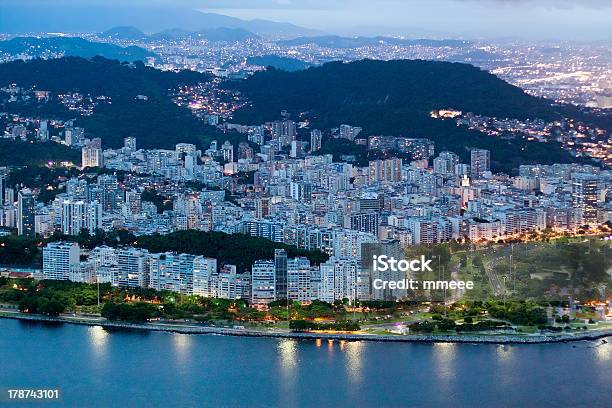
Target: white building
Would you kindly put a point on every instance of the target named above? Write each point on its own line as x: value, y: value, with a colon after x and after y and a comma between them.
x: 204, y: 271
x: 263, y: 283
x: 338, y: 280
x: 298, y: 279
x: 59, y: 258
x: 171, y: 271
x: 132, y: 268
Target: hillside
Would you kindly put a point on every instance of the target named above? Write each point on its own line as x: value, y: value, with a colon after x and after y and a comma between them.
x: 71, y: 47
x: 124, y: 33
x: 283, y: 63
x: 396, y: 98
x: 335, y: 41
x: 17, y: 153
x: 156, y: 121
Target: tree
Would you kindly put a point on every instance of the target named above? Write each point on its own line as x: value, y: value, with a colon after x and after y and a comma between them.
x: 50, y: 307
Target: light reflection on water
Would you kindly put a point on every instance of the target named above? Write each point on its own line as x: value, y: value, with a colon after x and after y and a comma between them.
x: 287, y: 351
x: 182, y: 346
x: 505, y: 354
x: 603, y: 352
x: 505, y: 364
x: 98, y: 340
x: 288, y: 359
x: 355, y: 354
x: 444, y: 360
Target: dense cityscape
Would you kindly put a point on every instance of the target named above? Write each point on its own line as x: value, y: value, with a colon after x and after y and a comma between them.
x: 306, y: 203
x: 280, y: 191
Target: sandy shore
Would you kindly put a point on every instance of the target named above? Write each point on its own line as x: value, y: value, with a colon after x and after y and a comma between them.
x: 414, y: 338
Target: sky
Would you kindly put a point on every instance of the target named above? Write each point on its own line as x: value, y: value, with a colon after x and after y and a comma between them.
x: 469, y: 19
x: 536, y: 19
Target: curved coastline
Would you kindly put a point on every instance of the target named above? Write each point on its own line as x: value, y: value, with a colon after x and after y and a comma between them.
x: 413, y: 338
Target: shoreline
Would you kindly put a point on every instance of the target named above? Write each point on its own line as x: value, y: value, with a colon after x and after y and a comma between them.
x: 413, y: 338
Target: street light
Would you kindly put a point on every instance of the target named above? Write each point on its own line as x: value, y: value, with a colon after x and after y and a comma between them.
x: 504, y: 277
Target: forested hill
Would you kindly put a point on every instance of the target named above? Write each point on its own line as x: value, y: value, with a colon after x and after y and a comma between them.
x: 97, y: 75
x: 155, y: 120
x: 396, y: 98
x: 385, y: 96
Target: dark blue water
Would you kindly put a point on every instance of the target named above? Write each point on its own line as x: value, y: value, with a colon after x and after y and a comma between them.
x: 96, y: 368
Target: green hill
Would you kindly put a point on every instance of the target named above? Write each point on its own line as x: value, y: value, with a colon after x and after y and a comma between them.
x: 396, y: 98
x: 124, y: 33
x: 156, y: 122
x: 17, y: 153
x: 71, y: 47
x: 283, y: 63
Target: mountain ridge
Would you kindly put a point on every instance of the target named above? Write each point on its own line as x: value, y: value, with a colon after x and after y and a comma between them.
x: 75, y: 18
x: 37, y: 47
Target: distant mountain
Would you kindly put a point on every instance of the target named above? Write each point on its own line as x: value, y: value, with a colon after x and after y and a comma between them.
x: 282, y: 63
x: 71, y: 47
x: 220, y: 34
x: 334, y: 41
x: 395, y: 98
x: 73, y: 17
x: 124, y: 33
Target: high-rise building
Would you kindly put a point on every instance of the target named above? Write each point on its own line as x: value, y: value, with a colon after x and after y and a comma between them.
x: 316, y: 139
x: 445, y: 163
x: 298, y: 279
x: 256, y: 135
x: 132, y: 268
x: 2, y: 188
x: 338, y: 280
x: 389, y: 170
x: 129, y: 143
x: 171, y: 271
x: 349, y: 132
x: 186, y: 148
x: 133, y: 201
x: 204, y: 271
x: 78, y: 215
x: 245, y: 151
x: 298, y: 149
x: 69, y: 138
x: 285, y: 132
x: 262, y: 207
x: 585, y: 189
x: 109, y: 193
x: 480, y: 162
x: 91, y: 154
x: 232, y: 285
x: 76, y: 188
x: 26, y: 212
x: 280, y: 266
x: 59, y: 258
x: 263, y: 283
x: 227, y: 149
x: 424, y: 231
x: 364, y: 222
